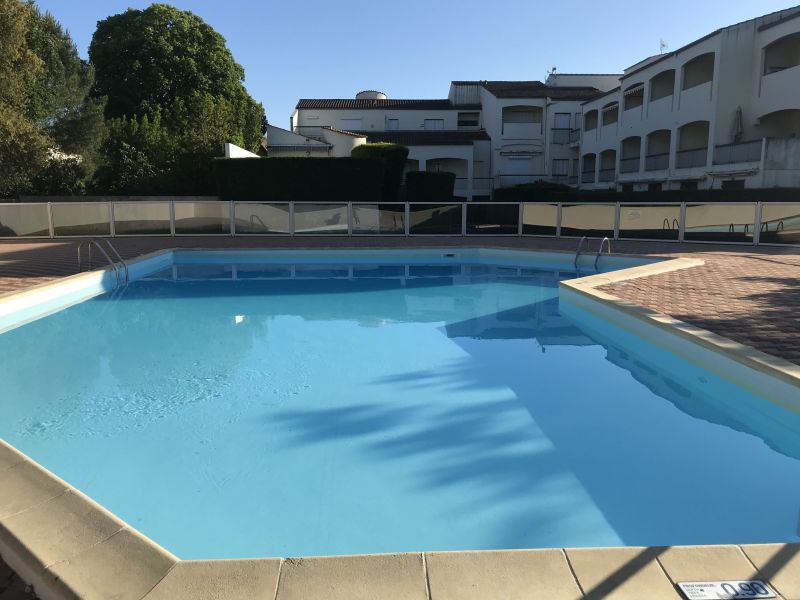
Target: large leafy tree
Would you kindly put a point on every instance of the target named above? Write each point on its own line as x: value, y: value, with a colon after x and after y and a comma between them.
x: 175, y: 95
x: 49, y: 126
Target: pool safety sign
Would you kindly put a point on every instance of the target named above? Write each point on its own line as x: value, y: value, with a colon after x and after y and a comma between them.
x: 726, y: 590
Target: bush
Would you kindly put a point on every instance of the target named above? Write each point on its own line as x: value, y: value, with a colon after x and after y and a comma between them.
x: 299, y: 179
x: 426, y: 186
x: 394, y: 161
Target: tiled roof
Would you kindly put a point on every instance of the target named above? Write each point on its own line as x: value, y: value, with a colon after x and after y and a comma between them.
x: 367, y: 103
x: 426, y: 138
x: 534, y: 89
x: 342, y: 131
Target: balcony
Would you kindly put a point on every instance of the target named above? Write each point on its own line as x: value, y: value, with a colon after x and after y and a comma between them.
x: 656, y: 162
x: 587, y: 177
x: 741, y: 152
x: 606, y: 175
x: 574, y: 136
x: 629, y: 165
x: 694, y: 157
x: 561, y: 135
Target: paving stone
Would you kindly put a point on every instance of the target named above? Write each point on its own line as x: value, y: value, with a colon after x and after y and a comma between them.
x: 780, y: 564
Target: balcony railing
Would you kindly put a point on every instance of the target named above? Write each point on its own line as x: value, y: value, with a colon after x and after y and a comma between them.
x: 606, y: 175
x: 656, y: 162
x: 574, y: 135
x: 693, y: 157
x: 560, y: 135
x: 739, y: 152
x: 587, y: 177
x: 629, y: 165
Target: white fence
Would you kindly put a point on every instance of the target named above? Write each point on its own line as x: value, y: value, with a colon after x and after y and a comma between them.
x: 742, y: 223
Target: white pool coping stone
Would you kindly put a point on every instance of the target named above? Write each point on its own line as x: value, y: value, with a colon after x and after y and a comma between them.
x: 67, y: 546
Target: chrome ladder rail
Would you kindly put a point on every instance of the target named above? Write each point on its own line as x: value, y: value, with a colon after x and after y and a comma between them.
x: 114, y: 267
x: 584, y: 240
x: 119, y: 257
x: 600, y: 250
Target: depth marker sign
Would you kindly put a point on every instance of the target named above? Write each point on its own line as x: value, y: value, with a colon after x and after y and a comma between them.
x: 726, y: 590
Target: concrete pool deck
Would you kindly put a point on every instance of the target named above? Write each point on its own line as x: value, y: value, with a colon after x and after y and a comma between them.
x: 729, y: 293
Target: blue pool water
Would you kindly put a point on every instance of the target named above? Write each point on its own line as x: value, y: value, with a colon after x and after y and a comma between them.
x: 336, y: 409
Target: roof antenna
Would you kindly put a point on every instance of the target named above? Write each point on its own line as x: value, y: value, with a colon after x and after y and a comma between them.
x: 551, y: 72
x: 662, y: 45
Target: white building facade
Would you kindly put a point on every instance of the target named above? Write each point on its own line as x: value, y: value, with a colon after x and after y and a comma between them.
x: 721, y: 112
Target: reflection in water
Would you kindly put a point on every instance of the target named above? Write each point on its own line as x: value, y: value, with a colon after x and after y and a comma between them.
x: 232, y: 410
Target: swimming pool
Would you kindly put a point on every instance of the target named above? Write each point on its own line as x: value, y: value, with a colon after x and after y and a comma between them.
x: 288, y: 404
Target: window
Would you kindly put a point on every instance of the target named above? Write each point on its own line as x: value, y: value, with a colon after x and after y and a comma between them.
x: 392, y: 124
x: 522, y: 114
x: 468, y: 119
x: 434, y: 124
x: 560, y: 167
x: 561, y: 120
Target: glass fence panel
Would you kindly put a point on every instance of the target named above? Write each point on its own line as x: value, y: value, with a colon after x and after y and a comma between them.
x: 539, y: 219
x: 435, y: 219
x: 81, y: 219
x: 24, y: 220
x: 320, y: 219
x: 780, y: 224
x: 593, y: 220
x: 196, y: 218
x: 141, y: 218
x: 379, y: 219
x: 492, y: 219
x: 720, y: 222
x: 649, y: 222
x: 252, y: 218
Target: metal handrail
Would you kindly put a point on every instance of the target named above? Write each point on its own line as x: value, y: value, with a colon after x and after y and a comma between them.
x: 117, y: 269
x: 119, y: 257
x: 583, y: 240
x: 600, y: 250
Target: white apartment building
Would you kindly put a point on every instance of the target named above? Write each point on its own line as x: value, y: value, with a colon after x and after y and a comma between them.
x: 721, y: 112
x: 489, y: 133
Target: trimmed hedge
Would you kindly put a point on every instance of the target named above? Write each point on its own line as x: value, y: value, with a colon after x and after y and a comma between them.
x: 299, y: 179
x: 427, y: 186
x: 394, y: 161
x: 536, y: 193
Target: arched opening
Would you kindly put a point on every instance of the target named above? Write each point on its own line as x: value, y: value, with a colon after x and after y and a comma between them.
x: 633, y: 97
x: 608, y: 165
x: 657, y: 150
x: 590, y: 120
x: 662, y: 85
x: 629, y: 158
x: 589, y: 165
x: 610, y: 114
x: 782, y: 54
x: 692, y: 145
x: 698, y: 71
x: 780, y: 124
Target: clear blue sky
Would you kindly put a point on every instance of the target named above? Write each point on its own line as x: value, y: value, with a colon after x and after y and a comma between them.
x: 413, y: 48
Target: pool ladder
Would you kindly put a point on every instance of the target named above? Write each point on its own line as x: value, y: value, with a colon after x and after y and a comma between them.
x: 585, y: 241
x: 120, y: 270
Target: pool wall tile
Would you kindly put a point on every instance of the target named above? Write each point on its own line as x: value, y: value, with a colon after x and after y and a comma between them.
x: 627, y: 573
x: 510, y: 575
x: 255, y: 579
x: 779, y: 564
x: 126, y: 566
x: 367, y: 577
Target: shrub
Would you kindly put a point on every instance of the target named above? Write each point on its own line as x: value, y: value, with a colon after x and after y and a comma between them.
x: 426, y: 186
x: 299, y: 179
x: 394, y: 161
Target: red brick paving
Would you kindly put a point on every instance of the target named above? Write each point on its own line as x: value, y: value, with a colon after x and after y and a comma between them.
x: 749, y: 295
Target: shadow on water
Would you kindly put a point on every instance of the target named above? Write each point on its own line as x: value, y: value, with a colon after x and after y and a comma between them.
x: 517, y: 461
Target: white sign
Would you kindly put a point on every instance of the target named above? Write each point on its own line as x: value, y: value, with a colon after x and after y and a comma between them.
x: 726, y: 590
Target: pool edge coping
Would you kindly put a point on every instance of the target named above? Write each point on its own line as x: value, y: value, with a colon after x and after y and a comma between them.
x: 85, y: 566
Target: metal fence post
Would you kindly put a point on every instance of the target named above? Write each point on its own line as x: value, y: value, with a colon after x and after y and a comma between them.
x: 757, y: 225
x: 682, y: 221
x: 617, y: 210
x: 408, y: 219
x: 558, y: 220
x: 463, y: 218
x: 111, y: 229
x: 50, y: 219
x: 172, y: 218
x: 520, y: 214
x: 232, y: 218
x: 291, y: 218
x: 350, y: 219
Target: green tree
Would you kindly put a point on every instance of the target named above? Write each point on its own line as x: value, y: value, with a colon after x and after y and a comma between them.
x: 167, y: 73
